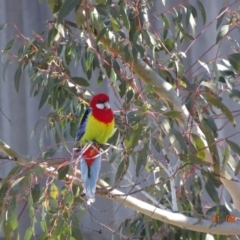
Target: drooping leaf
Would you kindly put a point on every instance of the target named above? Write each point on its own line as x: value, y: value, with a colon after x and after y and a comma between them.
x: 76, y: 233
x: 173, y: 114
x: 192, y: 159
x: 223, y: 31
x: 219, y: 20
x: 179, y: 138
x: 58, y: 229
x: 234, y: 94
x: 68, y: 198
x: 203, y: 64
x: 202, y: 10
x: 211, y: 85
x: 226, y: 156
x: 234, y: 146
x: 28, y: 234
x: 101, y: 34
x: 49, y: 153
x: 211, y: 145
x: 9, y: 45
x: 142, y: 158
x: 4, y: 68
x: 36, y: 193
x: 43, y: 98
x: 3, y: 26
x: 80, y: 81
x: 166, y: 25
x: 11, y: 217
x: 191, y: 16
x: 199, y: 145
x: 210, y: 188
x: 66, y: 8
x: 53, y: 191
x: 123, y: 12
x: 218, y: 104
x: 122, y: 169
x: 62, y: 172
x: 234, y: 60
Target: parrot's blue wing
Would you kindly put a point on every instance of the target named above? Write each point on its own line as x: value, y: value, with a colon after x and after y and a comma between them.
x: 82, y: 126
x: 90, y: 178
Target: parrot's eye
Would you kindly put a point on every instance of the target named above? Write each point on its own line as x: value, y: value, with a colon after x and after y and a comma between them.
x: 100, y: 105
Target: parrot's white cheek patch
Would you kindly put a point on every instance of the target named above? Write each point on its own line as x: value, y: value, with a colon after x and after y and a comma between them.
x: 100, y: 105
x: 107, y: 105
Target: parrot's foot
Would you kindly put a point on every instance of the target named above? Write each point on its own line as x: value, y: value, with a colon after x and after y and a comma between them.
x: 90, y: 201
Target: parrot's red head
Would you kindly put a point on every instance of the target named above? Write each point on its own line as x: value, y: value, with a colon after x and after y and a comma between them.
x: 101, y: 109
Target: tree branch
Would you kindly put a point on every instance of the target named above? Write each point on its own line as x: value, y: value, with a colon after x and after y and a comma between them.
x: 165, y: 91
x: 177, y: 219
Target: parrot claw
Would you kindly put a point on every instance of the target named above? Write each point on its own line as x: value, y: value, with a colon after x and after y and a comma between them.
x: 90, y: 201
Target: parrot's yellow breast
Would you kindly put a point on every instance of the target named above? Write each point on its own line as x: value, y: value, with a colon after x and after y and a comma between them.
x: 97, y: 131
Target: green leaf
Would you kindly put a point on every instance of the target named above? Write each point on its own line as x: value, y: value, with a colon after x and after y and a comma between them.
x: 218, y: 104
x: 211, y: 190
x: 28, y: 233
x: 122, y: 169
x: 62, y: 172
x: 80, y: 81
x: 9, y: 45
x: 53, y: 191
x: 222, y: 33
x: 234, y: 146
x: 179, y: 138
x: 66, y: 8
x: 31, y: 213
x: 3, y: 26
x: 212, y: 86
x: 202, y: 10
x: 44, y: 98
x: 234, y: 60
x: 166, y: 25
x: 226, y: 156
x: 114, y: 155
x: 76, y: 233
x: 234, y: 94
x: 169, y: 44
x: 142, y: 158
x: 4, y: 68
x: 211, y: 145
x: 12, y: 215
x: 43, y: 225
x: 101, y: 34
x: 80, y: 16
x: 36, y: 81
x: 49, y: 153
x: 36, y: 193
x: 199, y: 145
x: 173, y: 114
x: 192, y: 159
x: 51, y: 36
x: 123, y: 12
x: 58, y: 229
x: 191, y: 16
x: 68, y: 199
x: 219, y: 20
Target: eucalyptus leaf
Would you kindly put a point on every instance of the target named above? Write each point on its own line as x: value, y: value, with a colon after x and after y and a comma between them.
x: 218, y: 104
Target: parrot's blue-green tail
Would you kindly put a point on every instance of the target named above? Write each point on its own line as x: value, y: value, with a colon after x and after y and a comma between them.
x: 90, y: 176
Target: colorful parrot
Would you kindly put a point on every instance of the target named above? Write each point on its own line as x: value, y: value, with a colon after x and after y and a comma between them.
x: 96, y: 127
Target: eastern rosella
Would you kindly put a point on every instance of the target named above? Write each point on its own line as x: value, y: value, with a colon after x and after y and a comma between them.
x: 96, y: 127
